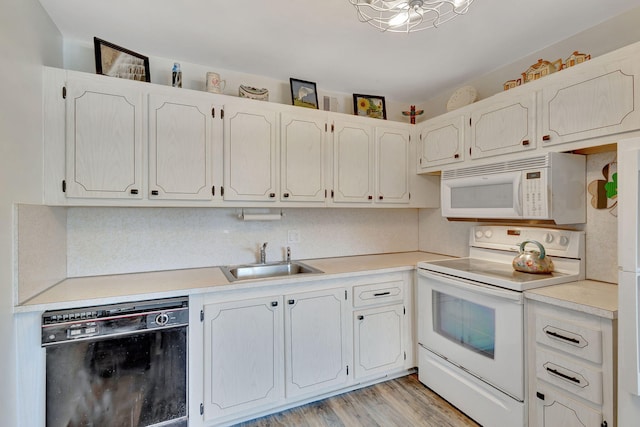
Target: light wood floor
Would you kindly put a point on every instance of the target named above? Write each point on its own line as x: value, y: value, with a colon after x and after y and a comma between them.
x: 401, y: 402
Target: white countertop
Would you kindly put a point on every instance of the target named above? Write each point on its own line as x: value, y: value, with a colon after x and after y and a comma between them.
x: 587, y: 296
x: 94, y: 290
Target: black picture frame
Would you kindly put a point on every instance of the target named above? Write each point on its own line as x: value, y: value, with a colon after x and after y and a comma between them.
x: 303, y: 93
x: 370, y: 106
x: 116, y: 61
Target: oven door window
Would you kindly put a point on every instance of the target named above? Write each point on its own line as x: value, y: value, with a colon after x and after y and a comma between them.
x: 466, y: 323
x: 133, y: 380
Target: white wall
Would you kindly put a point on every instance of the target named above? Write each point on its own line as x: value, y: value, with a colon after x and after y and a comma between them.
x: 609, y: 35
x: 79, y: 56
x: 28, y: 39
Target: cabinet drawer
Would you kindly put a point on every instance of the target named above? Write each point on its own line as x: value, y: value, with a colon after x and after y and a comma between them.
x: 569, y: 375
x: 577, y: 340
x: 378, y: 293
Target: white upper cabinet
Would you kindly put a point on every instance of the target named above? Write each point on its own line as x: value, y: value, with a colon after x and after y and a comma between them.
x: 392, y: 165
x: 592, y: 101
x: 353, y: 162
x: 103, y: 140
x: 182, y: 141
x: 504, y: 126
x: 441, y: 142
x: 251, y: 163
x: 303, y: 150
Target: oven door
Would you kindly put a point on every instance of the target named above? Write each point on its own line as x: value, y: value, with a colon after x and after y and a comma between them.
x: 496, y: 195
x: 477, y: 327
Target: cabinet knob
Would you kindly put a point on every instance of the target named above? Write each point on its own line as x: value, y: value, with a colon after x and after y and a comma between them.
x: 274, y: 303
x: 134, y: 191
x: 525, y: 142
x: 154, y: 192
x: 546, y: 138
x: 291, y: 302
x: 286, y: 195
x: 370, y: 197
x: 456, y: 156
x: 272, y: 195
x: 380, y: 197
x: 360, y: 317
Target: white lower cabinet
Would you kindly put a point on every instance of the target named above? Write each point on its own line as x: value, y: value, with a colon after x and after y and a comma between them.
x: 315, y: 342
x: 378, y: 341
x: 269, y: 349
x: 572, y: 368
x: 243, y: 352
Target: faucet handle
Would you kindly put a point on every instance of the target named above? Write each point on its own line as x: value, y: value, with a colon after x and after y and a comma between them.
x: 264, y: 245
x: 288, y: 254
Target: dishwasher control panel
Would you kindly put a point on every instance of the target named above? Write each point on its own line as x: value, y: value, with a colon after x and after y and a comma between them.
x: 112, y: 320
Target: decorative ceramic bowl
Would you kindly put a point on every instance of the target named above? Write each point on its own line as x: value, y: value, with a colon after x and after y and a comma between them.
x: 253, y: 93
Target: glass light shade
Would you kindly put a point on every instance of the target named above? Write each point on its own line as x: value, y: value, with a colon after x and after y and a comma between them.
x: 404, y: 16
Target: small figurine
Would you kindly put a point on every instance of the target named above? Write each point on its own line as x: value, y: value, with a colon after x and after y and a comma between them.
x: 412, y: 114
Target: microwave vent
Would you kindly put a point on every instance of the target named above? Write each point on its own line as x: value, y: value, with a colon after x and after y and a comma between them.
x: 493, y: 168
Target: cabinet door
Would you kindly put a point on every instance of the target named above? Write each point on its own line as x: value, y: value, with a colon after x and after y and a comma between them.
x: 315, y: 341
x: 353, y: 162
x: 506, y: 126
x: 392, y: 166
x: 243, y: 353
x: 104, y: 140
x: 378, y: 342
x: 601, y: 101
x: 180, y: 147
x: 302, y: 152
x: 557, y: 410
x: 250, y: 154
x: 441, y: 142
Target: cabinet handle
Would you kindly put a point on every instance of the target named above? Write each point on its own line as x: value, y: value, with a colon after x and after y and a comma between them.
x: 286, y: 195
x: 546, y: 137
x: 380, y: 197
x: 370, y: 197
x: 525, y: 142
x: 154, y: 192
x: 360, y: 317
x: 562, y: 337
x: 565, y: 376
x: 134, y: 191
x: 456, y: 156
x: 539, y: 395
x: 272, y: 195
x: 274, y: 303
x: 381, y: 294
x: 291, y: 301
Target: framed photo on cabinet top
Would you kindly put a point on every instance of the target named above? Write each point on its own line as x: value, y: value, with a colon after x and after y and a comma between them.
x: 303, y: 93
x: 116, y: 61
x: 370, y: 106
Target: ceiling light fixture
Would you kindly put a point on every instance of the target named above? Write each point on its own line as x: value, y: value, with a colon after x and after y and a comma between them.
x: 405, y: 16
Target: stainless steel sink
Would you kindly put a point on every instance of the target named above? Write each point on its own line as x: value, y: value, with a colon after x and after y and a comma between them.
x: 261, y: 271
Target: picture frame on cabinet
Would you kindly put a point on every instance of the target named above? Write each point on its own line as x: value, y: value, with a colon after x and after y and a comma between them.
x: 116, y: 61
x: 369, y: 106
x: 303, y: 93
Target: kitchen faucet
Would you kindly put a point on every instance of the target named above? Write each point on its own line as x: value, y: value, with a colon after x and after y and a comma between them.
x: 263, y: 254
x: 288, y: 254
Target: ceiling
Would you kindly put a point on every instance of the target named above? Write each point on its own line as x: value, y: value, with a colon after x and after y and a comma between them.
x: 323, y: 41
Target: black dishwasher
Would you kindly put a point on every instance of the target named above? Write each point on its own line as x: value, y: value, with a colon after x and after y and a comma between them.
x: 117, y: 365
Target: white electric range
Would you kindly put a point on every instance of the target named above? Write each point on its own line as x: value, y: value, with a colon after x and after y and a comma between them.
x: 471, y: 318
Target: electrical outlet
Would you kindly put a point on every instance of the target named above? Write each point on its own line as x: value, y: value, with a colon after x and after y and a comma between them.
x: 293, y: 236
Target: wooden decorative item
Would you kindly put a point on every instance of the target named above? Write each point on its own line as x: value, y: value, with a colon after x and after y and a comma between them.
x: 412, y: 113
x: 576, y: 58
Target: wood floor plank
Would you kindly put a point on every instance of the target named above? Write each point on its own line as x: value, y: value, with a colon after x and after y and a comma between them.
x: 400, y: 402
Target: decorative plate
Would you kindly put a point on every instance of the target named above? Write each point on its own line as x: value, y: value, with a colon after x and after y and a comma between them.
x: 461, y: 97
x: 251, y: 92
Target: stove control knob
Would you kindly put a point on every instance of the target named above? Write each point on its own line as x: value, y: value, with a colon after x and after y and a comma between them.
x: 564, y: 240
x: 548, y: 238
x: 488, y: 233
x: 479, y: 234
x: 162, y: 319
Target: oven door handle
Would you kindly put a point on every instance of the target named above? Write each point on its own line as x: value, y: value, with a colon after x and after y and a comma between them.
x: 471, y: 286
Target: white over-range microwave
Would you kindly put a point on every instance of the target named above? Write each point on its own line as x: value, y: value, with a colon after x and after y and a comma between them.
x: 550, y: 187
